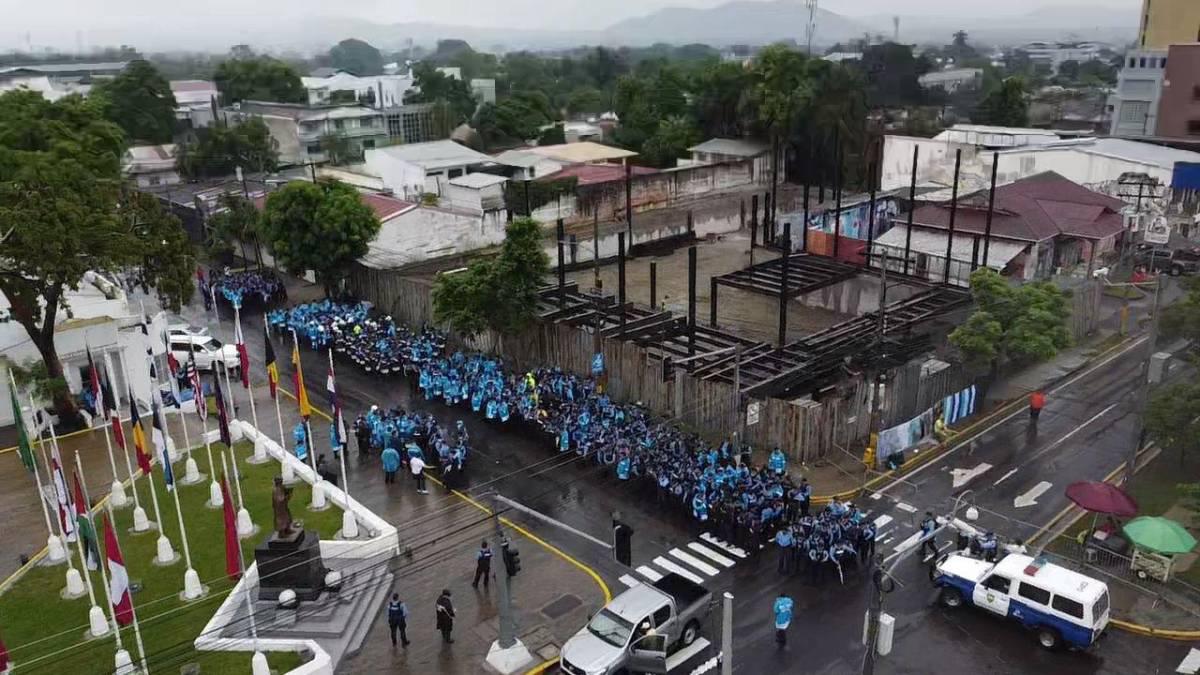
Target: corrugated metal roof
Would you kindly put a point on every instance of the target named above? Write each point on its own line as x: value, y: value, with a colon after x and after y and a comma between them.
x: 581, y: 153
x: 737, y: 147
x: 591, y: 174
x: 434, y: 154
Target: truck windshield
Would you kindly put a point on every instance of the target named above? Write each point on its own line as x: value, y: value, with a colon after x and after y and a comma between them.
x: 611, y: 628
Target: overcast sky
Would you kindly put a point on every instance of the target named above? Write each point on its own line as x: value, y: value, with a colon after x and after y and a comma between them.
x: 98, y: 21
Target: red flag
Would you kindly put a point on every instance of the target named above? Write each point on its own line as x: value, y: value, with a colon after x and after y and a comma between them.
x: 244, y: 364
x: 172, y: 364
x: 233, y: 560
x: 3, y: 657
x: 118, y: 578
x: 118, y: 432
x: 81, y: 505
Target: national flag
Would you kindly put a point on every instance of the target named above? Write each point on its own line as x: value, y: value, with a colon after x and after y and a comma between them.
x: 172, y: 364
x: 139, y: 436
x: 160, y: 445
x: 82, y: 516
x: 24, y: 450
x: 4, y: 663
x: 94, y: 386
x: 339, y: 423
x: 233, y: 561
x: 222, y: 413
x: 242, y: 352
x: 118, y: 578
x: 193, y: 374
x: 110, y: 400
x: 298, y: 381
x: 272, y: 368
x: 118, y: 432
x: 66, y: 510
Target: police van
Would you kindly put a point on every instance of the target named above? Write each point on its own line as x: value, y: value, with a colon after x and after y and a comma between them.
x: 1063, y: 607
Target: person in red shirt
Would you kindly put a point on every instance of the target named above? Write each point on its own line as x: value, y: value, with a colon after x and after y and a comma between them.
x: 1037, y: 401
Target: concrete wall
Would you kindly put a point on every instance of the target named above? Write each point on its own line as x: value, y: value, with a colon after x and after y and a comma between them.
x: 1178, y: 109
x: 426, y: 233
x: 660, y: 190
x: 932, y: 158
x: 404, y: 179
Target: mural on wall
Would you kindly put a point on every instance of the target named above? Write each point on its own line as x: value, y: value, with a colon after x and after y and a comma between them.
x: 854, y: 219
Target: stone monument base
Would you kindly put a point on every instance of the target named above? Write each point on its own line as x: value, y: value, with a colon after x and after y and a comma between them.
x: 290, y: 562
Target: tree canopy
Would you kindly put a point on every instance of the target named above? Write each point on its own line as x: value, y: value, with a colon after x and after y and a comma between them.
x: 499, y: 293
x: 431, y: 85
x: 1006, y: 105
x: 64, y: 212
x: 218, y: 150
x: 323, y: 227
x: 1012, y: 324
x: 140, y: 101
x: 356, y: 56
x: 258, y: 78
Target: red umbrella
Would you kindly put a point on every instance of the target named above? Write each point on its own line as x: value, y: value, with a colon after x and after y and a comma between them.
x: 1098, y: 497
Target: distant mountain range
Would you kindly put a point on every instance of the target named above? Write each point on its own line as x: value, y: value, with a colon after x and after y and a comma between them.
x: 739, y: 22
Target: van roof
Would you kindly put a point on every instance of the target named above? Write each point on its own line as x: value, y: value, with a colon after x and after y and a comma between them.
x: 1054, y: 578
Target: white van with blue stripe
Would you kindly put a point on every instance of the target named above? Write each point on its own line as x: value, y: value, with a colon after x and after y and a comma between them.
x: 1064, y: 607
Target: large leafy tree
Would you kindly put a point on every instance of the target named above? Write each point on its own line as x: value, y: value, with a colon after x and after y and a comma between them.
x: 719, y: 99
x: 258, y: 78
x: 1012, y: 324
x: 670, y: 141
x: 323, y: 227
x: 356, y: 56
x: 235, y: 224
x: 431, y: 85
x: 140, y: 101
x: 499, y: 293
x: 218, y: 150
x: 64, y: 212
x: 1006, y: 105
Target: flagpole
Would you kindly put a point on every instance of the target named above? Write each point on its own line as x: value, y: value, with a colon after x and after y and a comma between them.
x: 349, y: 522
x: 117, y: 491
x: 137, y: 631
x: 74, y: 587
x: 191, y: 472
x: 99, y: 624
x: 191, y: 580
x: 260, y: 451
x: 54, y: 547
x: 63, y: 491
x: 122, y: 664
x: 245, y: 526
x: 258, y: 662
x: 289, y: 476
x: 318, y: 490
x: 95, y: 614
x: 215, y: 499
x: 165, y: 553
x: 140, y: 522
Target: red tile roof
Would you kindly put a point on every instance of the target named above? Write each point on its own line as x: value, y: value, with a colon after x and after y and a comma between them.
x: 1032, y: 209
x: 384, y: 207
x: 591, y: 174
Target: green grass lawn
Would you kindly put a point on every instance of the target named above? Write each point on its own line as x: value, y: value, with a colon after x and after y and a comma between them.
x: 44, y: 633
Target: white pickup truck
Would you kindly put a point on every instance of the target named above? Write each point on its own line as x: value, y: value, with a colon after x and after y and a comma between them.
x: 636, y: 629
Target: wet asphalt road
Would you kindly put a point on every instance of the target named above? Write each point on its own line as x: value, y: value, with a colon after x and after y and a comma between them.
x: 1083, y: 433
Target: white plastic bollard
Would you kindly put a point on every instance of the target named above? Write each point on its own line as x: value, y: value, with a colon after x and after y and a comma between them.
x: 55, y: 552
x: 141, y: 522
x: 165, y: 554
x: 98, y: 622
x: 258, y: 664
x: 215, y: 497
x: 349, y: 525
x: 191, y: 585
x: 75, y: 587
x: 117, y: 496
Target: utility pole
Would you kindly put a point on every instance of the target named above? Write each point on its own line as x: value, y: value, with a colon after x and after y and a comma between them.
x: 727, y: 634
x: 507, y: 653
x: 1144, y: 384
x: 880, y: 330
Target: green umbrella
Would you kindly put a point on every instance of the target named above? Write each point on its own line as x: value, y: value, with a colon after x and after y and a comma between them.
x: 1159, y: 534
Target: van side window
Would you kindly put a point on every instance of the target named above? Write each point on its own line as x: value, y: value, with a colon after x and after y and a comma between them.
x: 1068, y: 606
x: 662, y: 616
x: 997, y: 583
x: 1038, y: 595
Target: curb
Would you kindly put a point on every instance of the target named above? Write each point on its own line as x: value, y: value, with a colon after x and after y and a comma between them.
x: 942, y: 448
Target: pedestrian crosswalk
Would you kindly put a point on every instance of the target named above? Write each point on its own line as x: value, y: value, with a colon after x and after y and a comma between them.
x: 698, y: 561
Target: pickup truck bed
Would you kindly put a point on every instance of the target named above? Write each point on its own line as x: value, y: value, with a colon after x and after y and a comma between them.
x: 684, y: 591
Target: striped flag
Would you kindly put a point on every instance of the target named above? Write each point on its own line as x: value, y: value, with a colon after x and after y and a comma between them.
x: 24, y: 449
x: 298, y: 380
x: 193, y: 375
x: 82, y: 516
x: 118, y: 578
x: 339, y: 423
x: 160, y: 445
x: 139, y: 436
x: 272, y: 368
x: 66, y: 510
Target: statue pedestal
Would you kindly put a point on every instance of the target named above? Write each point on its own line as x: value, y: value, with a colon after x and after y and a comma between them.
x: 290, y: 562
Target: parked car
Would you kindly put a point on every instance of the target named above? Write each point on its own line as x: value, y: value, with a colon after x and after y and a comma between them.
x: 637, y: 628
x: 208, y: 350
x: 1172, y: 261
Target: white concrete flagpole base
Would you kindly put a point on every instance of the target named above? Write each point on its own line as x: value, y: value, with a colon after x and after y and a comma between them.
x: 117, y: 496
x: 191, y: 472
x: 258, y: 664
x: 515, y: 659
x: 349, y: 525
x: 140, y: 522
x: 75, y: 586
x: 260, y: 455
x: 98, y: 621
x: 166, y: 554
x: 318, y: 497
x: 289, y: 474
x: 172, y: 451
x: 191, y: 585
x: 245, y: 526
x: 216, y: 499
x: 122, y: 664
x: 55, y: 553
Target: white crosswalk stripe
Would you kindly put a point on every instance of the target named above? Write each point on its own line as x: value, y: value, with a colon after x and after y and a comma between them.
x: 905, y: 507
x: 1190, y: 663
x: 630, y: 581
x: 695, y: 562
x: 672, y: 567
x: 728, y: 548
x: 649, y: 573
x: 882, y: 520
x: 710, y: 554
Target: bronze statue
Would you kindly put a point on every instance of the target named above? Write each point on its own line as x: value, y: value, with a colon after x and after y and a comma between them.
x: 283, y: 515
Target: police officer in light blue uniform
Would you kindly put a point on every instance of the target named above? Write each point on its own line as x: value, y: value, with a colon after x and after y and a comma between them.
x: 623, y: 467
x: 564, y: 440
x: 783, y: 617
x: 928, y: 525
x: 700, y: 506
x: 301, y: 438
x: 777, y: 462
x: 785, y: 541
